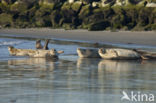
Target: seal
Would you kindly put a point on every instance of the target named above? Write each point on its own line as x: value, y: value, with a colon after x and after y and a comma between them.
x: 39, y: 53
x: 88, y: 53
x: 115, y: 53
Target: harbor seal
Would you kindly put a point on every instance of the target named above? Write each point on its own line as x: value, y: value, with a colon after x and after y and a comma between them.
x: 39, y: 53
x: 88, y: 53
x: 115, y: 53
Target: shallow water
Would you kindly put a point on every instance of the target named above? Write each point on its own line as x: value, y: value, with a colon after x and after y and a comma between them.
x: 70, y: 79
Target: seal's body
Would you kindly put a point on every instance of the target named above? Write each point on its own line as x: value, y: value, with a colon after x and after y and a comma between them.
x: 40, y: 53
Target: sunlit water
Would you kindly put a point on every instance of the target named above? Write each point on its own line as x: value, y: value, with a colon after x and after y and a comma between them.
x: 70, y: 79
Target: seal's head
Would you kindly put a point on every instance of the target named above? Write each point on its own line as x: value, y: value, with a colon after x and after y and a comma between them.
x: 53, y: 52
x: 81, y: 51
x: 10, y: 48
x: 101, y: 50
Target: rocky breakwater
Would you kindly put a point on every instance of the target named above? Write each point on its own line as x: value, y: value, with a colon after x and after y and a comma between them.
x: 78, y: 14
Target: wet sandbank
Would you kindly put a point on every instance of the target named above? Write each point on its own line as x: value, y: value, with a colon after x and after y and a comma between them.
x: 121, y: 37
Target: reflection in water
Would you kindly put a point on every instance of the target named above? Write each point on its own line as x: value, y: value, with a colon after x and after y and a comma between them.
x: 117, y: 66
x: 37, y: 63
x: 67, y: 80
x: 83, y: 81
x: 87, y: 62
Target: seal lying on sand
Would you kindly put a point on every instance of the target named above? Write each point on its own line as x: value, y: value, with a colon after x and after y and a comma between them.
x: 88, y: 53
x: 118, y: 54
x: 34, y: 53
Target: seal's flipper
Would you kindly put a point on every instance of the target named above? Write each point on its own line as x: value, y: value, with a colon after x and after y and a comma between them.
x: 46, y: 44
x: 38, y: 44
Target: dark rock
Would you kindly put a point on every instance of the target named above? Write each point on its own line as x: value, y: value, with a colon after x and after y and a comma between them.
x: 5, y: 20
x: 101, y: 25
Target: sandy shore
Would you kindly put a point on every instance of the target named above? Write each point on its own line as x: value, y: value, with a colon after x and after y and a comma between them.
x: 123, y: 37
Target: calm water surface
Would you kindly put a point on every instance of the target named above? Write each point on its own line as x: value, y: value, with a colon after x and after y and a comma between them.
x: 70, y: 79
